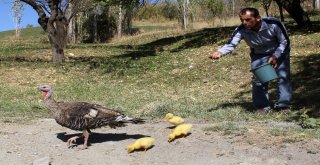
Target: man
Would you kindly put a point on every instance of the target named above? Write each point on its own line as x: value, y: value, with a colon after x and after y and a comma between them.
x: 268, y: 42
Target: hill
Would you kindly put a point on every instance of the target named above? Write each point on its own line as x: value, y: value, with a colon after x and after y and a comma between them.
x: 151, y: 74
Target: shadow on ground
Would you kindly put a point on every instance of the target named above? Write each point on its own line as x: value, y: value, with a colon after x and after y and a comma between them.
x: 306, y: 84
x: 99, y: 137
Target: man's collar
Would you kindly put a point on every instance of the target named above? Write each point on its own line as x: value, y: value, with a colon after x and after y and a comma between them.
x: 263, y: 25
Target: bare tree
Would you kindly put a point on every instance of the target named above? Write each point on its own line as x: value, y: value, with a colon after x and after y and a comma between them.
x: 119, y: 21
x: 184, y: 8
x: 54, y: 17
x: 16, y: 10
x: 185, y: 14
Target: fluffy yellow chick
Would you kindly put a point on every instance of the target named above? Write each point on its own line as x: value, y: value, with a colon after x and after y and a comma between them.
x: 175, y: 120
x: 180, y: 130
x: 142, y: 143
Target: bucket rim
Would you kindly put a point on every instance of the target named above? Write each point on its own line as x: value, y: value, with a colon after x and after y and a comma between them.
x: 262, y: 65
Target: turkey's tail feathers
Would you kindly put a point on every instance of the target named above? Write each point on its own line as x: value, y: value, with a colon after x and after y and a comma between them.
x: 138, y: 121
x: 126, y: 119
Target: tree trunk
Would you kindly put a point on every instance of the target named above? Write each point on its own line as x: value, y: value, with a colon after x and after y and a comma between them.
x: 266, y: 5
x: 16, y: 10
x: 78, y: 26
x: 17, y: 25
x: 71, y: 31
x: 57, y: 53
x: 185, y: 16
x: 317, y: 4
x: 72, y: 26
x: 58, y: 39
x: 233, y: 8
x: 119, y: 23
x: 128, y: 19
x: 95, y: 28
x: 184, y: 10
x: 293, y: 7
x: 280, y: 10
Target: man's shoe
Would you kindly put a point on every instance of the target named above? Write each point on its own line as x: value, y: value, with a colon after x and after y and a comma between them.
x: 283, y: 110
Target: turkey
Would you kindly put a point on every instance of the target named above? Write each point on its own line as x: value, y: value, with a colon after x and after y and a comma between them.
x: 83, y: 116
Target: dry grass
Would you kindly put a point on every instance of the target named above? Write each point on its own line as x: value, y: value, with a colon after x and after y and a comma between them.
x: 262, y: 133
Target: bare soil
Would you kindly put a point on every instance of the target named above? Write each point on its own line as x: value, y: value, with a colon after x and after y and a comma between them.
x: 26, y: 143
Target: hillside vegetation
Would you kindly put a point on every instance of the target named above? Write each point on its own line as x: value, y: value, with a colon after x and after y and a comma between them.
x: 151, y: 74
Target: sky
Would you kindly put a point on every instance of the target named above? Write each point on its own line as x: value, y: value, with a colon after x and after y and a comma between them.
x: 29, y: 16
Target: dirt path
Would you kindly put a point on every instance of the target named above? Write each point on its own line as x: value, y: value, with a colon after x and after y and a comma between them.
x: 23, y: 144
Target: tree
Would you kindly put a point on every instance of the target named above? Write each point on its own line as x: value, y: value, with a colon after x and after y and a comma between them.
x: 266, y: 5
x: 183, y: 6
x: 16, y: 10
x: 316, y: 4
x: 124, y: 12
x: 54, y: 17
x: 293, y: 7
x: 281, y: 11
x: 96, y: 11
x: 120, y: 20
x: 216, y: 6
x: 185, y: 14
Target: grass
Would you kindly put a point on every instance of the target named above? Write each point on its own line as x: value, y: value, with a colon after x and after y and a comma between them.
x: 150, y: 74
x: 263, y: 132
x: 227, y: 128
x: 29, y: 34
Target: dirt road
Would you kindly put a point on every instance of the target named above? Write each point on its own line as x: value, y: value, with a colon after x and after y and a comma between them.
x: 25, y: 144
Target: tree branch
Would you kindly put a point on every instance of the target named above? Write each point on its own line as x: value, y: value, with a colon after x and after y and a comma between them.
x: 43, y: 19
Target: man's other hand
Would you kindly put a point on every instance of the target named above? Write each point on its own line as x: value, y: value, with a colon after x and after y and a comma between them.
x: 273, y: 61
x: 216, y: 55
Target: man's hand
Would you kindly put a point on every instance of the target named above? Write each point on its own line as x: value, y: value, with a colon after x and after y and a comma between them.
x: 216, y: 55
x: 273, y: 61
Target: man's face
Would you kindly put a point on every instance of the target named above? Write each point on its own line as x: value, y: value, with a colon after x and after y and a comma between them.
x: 249, y: 21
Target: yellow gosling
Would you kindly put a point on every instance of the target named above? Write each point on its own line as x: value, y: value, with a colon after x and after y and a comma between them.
x: 180, y: 131
x: 142, y: 143
x: 175, y: 120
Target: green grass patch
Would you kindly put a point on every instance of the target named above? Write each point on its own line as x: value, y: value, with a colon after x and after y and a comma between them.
x: 32, y: 33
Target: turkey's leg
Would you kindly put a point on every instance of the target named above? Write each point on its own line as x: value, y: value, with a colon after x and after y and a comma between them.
x: 72, y: 141
x: 86, y: 134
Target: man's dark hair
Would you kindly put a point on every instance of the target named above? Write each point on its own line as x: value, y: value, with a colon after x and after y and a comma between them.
x: 254, y: 11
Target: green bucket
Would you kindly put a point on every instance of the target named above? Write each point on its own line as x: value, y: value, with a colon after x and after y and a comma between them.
x: 264, y: 73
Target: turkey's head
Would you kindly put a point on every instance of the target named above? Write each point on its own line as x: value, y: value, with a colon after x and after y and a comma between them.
x: 46, y: 91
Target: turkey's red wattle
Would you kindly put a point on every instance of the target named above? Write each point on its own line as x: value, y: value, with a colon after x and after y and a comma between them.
x: 44, y: 93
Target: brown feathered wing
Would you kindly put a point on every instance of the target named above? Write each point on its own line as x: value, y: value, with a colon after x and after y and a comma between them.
x: 82, y: 115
